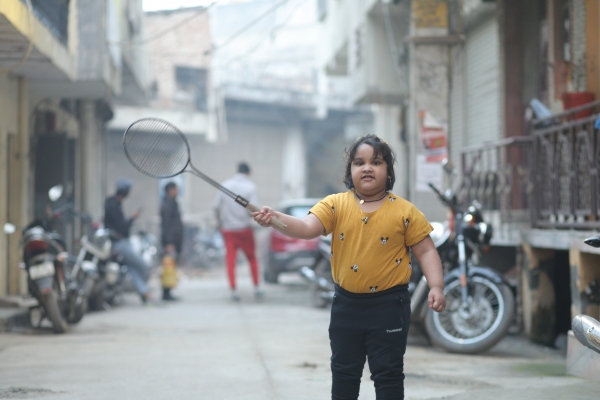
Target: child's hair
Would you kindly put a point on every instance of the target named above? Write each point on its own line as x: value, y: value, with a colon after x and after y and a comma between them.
x: 380, y: 148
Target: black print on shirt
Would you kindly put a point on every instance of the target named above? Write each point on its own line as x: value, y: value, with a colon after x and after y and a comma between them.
x: 374, y: 288
x: 354, y: 268
x: 333, y: 209
x: 384, y: 240
x: 406, y: 223
x: 365, y: 220
x: 398, y: 261
x: 409, y: 266
x: 342, y: 237
x: 392, y: 199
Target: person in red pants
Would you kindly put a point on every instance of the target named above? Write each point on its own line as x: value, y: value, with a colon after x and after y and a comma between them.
x: 234, y: 222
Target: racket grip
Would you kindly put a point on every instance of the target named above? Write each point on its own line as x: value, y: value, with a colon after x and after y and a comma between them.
x: 274, y: 221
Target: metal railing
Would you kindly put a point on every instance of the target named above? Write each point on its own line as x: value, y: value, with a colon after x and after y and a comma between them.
x: 552, y: 173
x: 566, y: 156
x: 498, y: 175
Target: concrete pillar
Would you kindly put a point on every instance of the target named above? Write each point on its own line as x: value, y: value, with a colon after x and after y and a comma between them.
x: 91, y: 182
x: 539, y: 301
x: 585, y: 278
x: 19, y: 184
x: 294, y: 163
x: 429, y: 89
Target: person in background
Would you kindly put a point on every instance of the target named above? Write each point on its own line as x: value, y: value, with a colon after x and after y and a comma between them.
x: 234, y: 222
x: 115, y: 220
x: 171, y: 236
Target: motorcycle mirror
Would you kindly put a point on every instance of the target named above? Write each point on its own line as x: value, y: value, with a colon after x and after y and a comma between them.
x: 587, y: 331
x: 55, y: 192
x: 449, y: 167
x: 9, y: 228
x: 593, y: 241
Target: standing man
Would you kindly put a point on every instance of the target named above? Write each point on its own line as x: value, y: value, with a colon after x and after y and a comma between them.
x: 234, y: 222
x: 172, y: 235
x: 116, y: 222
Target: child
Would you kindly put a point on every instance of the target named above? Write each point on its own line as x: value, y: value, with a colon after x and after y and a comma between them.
x: 372, y: 230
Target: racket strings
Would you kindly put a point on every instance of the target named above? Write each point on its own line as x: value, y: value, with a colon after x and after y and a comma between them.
x: 156, y: 148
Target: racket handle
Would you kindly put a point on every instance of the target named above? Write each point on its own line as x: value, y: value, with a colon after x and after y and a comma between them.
x: 274, y: 221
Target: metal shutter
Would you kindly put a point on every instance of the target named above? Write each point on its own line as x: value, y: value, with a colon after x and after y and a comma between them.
x: 483, y: 83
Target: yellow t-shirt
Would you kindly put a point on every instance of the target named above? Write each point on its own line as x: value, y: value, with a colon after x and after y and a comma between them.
x: 369, y: 251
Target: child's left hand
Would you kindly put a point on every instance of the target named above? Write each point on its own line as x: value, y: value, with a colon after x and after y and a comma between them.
x: 436, y: 299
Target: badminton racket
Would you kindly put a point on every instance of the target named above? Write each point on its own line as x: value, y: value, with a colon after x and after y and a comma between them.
x: 158, y: 149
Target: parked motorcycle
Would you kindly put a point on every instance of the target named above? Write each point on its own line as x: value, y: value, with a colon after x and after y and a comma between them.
x: 321, y: 285
x: 105, y: 275
x: 49, y: 271
x: 479, y: 302
x: 206, y: 249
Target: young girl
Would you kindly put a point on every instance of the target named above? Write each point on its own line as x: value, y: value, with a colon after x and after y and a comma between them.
x: 372, y: 230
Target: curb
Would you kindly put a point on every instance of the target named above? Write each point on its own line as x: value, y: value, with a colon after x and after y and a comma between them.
x: 12, y: 318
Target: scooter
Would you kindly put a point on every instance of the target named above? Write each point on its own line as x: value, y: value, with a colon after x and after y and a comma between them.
x: 49, y: 274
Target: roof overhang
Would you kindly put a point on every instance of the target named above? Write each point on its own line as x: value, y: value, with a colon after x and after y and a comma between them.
x: 49, y: 60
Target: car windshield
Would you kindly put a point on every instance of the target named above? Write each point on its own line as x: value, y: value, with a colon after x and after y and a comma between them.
x: 299, y: 211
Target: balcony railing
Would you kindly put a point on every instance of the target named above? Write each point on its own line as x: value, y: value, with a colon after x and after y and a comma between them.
x: 566, y: 156
x: 551, y: 174
x: 54, y: 14
x: 498, y: 176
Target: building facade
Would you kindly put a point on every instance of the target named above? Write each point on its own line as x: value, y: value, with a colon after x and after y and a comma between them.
x: 62, y: 64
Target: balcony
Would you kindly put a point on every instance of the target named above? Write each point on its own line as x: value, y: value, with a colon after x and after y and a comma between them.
x: 35, y: 45
x: 546, y: 180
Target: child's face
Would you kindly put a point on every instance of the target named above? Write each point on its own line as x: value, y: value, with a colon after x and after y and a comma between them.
x: 369, y: 173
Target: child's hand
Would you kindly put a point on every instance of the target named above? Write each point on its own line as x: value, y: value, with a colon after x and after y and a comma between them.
x: 264, y: 216
x: 436, y: 299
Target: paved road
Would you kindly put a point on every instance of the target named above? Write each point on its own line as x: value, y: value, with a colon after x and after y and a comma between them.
x: 207, y: 347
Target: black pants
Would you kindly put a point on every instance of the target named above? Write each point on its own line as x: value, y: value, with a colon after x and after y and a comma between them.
x: 373, y: 325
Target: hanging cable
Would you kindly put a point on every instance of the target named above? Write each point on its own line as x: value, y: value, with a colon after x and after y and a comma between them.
x: 246, y: 27
x: 270, y: 33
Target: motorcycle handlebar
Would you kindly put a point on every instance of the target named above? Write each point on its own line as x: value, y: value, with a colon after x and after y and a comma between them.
x: 442, y: 197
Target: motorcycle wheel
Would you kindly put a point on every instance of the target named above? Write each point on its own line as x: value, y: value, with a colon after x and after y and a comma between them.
x: 50, y: 303
x: 478, y: 327
x: 322, y: 270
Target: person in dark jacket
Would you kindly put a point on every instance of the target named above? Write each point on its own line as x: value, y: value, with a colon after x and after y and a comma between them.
x: 171, y: 228
x: 115, y: 220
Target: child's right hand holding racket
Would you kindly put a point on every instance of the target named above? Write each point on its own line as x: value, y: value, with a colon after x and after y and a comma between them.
x: 264, y: 216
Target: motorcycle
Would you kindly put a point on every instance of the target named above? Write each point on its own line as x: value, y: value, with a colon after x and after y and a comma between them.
x: 479, y: 302
x: 106, y: 276
x: 207, y: 248
x: 49, y: 271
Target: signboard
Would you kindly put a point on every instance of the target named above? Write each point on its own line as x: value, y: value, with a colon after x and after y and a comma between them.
x: 428, y: 172
x: 430, y: 13
x: 433, y: 137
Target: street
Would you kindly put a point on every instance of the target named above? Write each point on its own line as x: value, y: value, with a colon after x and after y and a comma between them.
x: 208, y: 347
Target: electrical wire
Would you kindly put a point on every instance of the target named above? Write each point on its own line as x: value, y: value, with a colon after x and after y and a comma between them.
x: 29, y: 38
x: 269, y: 34
x: 246, y: 27
x: 168, y: 30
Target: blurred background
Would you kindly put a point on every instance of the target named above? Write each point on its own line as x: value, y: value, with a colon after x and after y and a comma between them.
x: 285, y: 85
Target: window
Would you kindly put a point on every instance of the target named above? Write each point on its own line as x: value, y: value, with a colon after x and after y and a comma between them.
x: 191, y: 87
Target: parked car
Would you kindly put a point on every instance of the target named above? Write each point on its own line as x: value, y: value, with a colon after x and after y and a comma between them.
x: 287, y: 254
